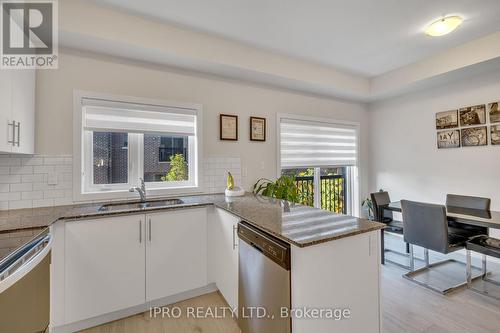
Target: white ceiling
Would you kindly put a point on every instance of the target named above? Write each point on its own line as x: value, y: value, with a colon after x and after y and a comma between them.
x: 366, y: 37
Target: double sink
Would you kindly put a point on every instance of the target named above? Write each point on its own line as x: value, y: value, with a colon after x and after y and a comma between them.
x: 112, y: 207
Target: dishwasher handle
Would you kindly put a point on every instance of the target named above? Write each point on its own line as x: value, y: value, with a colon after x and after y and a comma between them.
x: 258, y: 248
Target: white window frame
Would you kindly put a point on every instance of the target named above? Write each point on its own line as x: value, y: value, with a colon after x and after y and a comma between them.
x: 352, y: 187
x: 83, y: 187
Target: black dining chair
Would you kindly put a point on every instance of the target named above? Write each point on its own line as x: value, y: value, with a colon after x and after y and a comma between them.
x: 426, y: 225
x: 465, y: 201
x: 380, y: 199
x: 487, y: 246
x: 468, y: 204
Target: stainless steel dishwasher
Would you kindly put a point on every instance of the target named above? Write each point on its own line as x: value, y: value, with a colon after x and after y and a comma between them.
x: 263, y: 281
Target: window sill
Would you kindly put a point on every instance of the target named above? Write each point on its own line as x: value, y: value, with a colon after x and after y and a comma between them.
x: 126, y: 195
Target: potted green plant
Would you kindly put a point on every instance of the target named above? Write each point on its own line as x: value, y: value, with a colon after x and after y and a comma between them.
x: 367, y: 204
x: 282, y: 188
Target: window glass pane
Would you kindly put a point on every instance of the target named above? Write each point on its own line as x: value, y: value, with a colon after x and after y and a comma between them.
x: 165, y: 158
x: 304, y: 179
x: 333, y: 189
x: 110, y: 157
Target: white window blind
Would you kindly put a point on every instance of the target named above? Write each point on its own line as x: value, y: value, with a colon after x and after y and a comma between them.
x: 317, y: 144
x: 101, y: 115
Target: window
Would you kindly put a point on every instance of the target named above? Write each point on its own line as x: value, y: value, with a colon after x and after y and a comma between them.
x: 322, y: 156
x: 121, y: 141
x: 169, y: 146
x: 110, y: 157
x: 162, y: 153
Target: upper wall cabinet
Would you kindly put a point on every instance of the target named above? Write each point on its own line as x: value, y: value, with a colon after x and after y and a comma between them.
x: 17, y: 111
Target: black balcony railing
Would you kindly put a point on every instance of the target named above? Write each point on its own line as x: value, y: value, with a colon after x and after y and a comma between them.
x: 332, y: 192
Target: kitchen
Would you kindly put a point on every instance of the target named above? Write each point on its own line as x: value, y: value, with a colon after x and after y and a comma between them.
x: 120, y: 106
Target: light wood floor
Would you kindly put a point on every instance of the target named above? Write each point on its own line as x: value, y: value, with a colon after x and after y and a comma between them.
x: 406, y: 308
x: 143, y: 323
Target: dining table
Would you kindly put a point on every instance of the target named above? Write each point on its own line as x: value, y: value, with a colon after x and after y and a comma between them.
x: 476, y: 217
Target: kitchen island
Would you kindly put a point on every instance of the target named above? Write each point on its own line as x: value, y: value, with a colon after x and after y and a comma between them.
x: 112, y: 263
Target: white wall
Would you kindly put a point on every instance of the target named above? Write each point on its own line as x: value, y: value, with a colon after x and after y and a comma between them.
x: 403, y: 153
x: 113, y: 75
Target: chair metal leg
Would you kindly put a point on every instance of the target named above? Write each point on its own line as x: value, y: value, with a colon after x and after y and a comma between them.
x: 484, y: 277
x: 412, y: 273
x: 483, y: 260
x: 469, y: 269
x: 384, y: 259
x: 382, y: 246
x: 412, y: 259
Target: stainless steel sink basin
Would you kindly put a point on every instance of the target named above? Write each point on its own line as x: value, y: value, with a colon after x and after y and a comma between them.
x: 139, y: 205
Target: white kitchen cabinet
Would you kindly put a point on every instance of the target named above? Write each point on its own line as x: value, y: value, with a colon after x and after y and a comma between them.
x: 6, y: 111
x: 17, y: 111
x: 176, y: 252
x: 23, y: 111
x: 226, y: 255
x: 104, y: 266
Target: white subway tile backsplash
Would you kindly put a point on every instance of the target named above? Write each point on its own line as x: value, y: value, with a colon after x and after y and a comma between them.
x: 10, y: 179
x: 24, y: 180
x: 7, y: 160
x: 67, y: 200
x: 20, y: 204
x: 32, y: 195
x: 44, y: 168
x: 215, y: 173
x: 33, y: 178
x: 23, y: 170
x: 51, y: 194
x: 32, y: 161
x: 10, y: 196
x: 21, y: 187
x: 43, y: 203
x: 64, y: 168
x: 53, y: 160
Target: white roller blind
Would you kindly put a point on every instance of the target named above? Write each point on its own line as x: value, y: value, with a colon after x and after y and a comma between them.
x: 99, y: 115
x: 317, y: 144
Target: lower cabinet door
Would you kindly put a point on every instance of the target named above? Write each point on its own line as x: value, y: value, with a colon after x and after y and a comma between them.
x: 176, y: 252
x: 104, y: 266
x: 226, y: 256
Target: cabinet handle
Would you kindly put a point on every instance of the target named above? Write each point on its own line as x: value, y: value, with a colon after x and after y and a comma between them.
x: 18, y: 133
x: 149, y: 230
x: 13, y: 141
x: 235, y: 229
x: 140, y: 231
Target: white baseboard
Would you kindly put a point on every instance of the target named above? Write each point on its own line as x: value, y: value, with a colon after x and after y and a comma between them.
x: 109, y: 317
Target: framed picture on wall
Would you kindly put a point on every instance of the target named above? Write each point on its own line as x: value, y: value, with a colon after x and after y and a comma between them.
x: 228, y: 127
x: 447, y: 119
x: 473, y: 115
x: 257, y: 129
x: 448, y: 139
x: 494, y: 111
x: 495, y: 135
x: 475, y: 136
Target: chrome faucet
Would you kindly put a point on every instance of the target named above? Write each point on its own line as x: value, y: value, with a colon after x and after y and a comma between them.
x: 140, y: 189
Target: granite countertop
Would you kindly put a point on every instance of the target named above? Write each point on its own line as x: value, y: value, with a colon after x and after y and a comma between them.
x: 295, y: 224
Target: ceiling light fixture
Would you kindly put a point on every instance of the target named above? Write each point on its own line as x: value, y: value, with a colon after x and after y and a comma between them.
x: 443, y: 26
